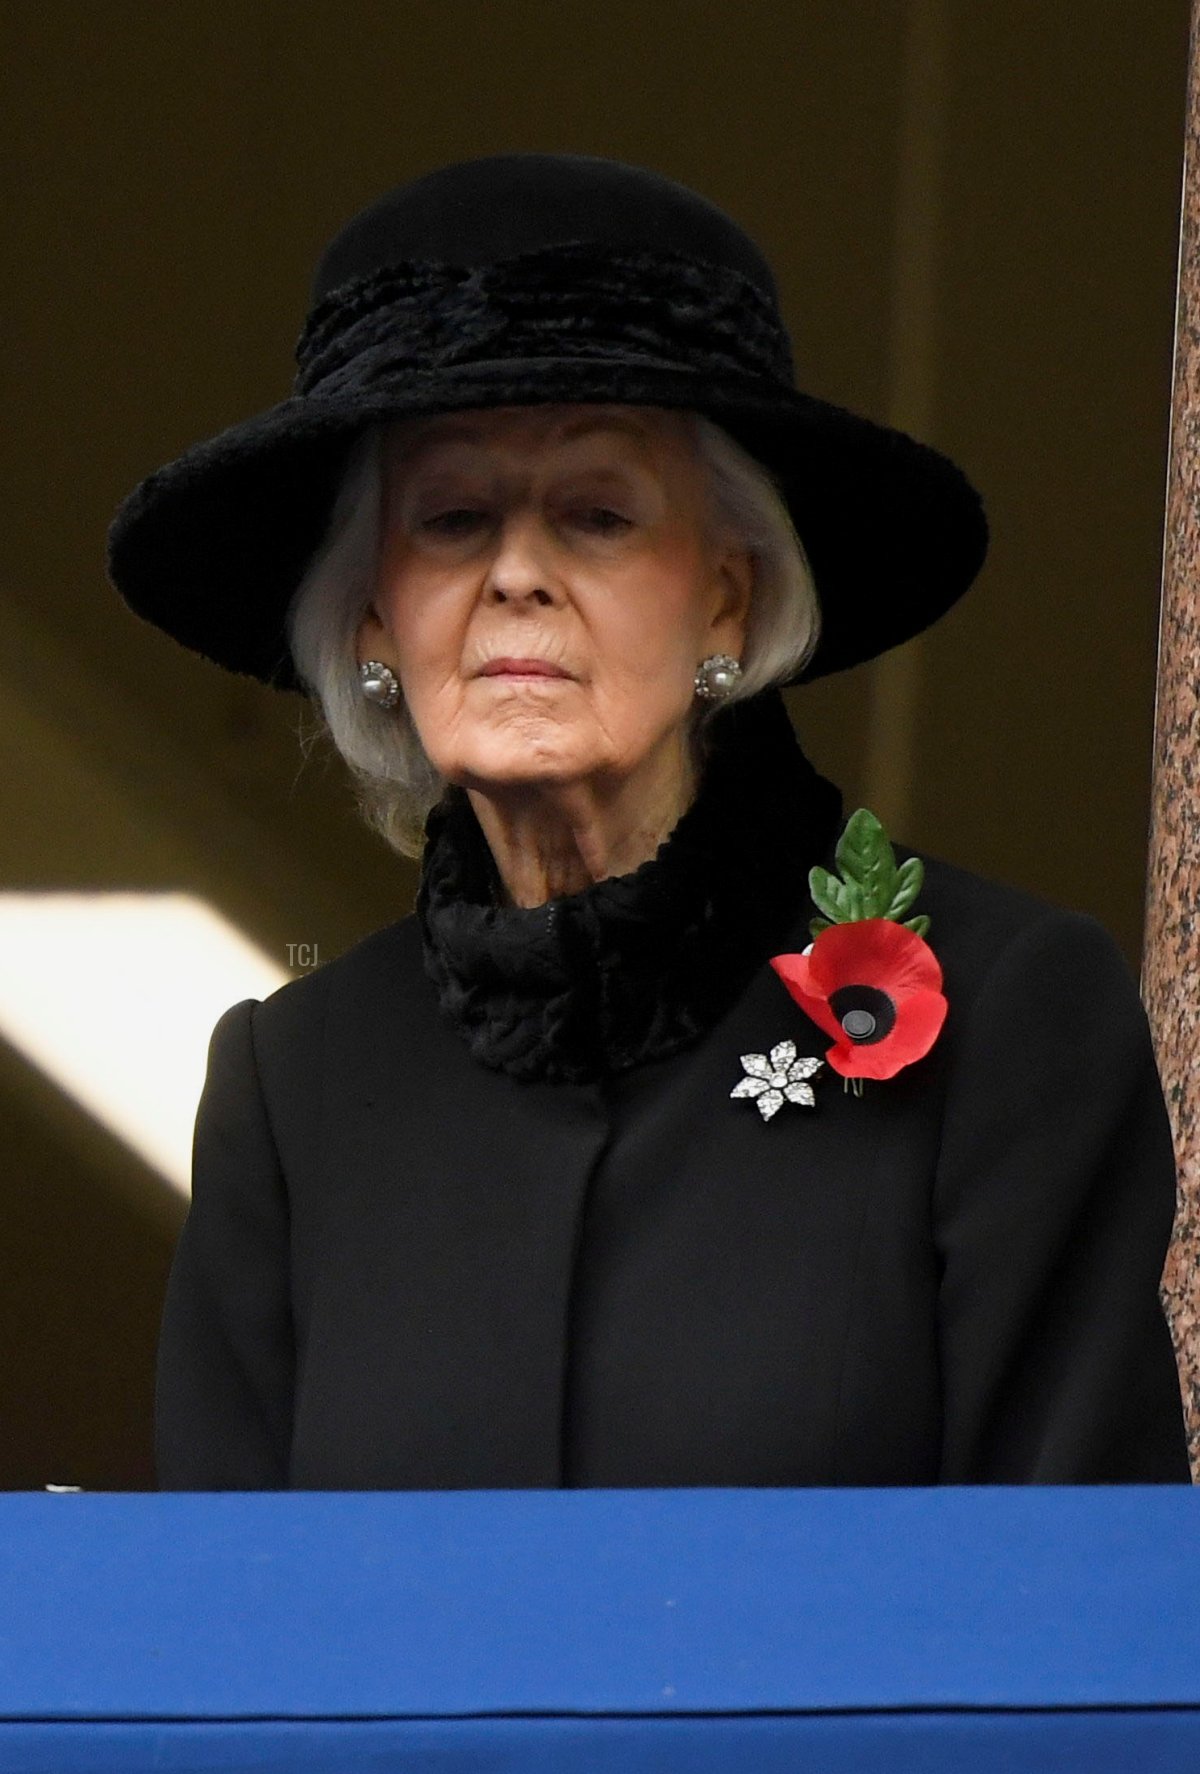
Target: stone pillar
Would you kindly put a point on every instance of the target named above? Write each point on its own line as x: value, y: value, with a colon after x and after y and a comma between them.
x: 1171, y: 968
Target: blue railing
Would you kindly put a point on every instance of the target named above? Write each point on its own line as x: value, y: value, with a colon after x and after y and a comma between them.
x: 917, y: 1630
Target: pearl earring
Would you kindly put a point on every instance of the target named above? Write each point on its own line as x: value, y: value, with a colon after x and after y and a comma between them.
x: 378, y: 682
x: 717, y: 676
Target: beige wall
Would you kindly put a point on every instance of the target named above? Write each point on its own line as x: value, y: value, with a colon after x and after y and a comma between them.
x: 972, y: 211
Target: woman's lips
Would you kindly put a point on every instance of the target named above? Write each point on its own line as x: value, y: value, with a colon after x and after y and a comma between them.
x: 522, y: 668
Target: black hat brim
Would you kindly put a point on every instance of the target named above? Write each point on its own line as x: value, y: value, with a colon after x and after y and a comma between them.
x: 212, y: 547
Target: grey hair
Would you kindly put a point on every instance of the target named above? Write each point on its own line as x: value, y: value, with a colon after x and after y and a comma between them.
x: 395, y: 782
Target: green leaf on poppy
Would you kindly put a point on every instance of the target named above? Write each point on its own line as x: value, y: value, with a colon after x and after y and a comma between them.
x: 829, y: 896
x: 843, y: 902
x: 816, y: 925
x: 872, y: 886
x: 868, y: 863
x: 920, y: 924
x: 908, y: 882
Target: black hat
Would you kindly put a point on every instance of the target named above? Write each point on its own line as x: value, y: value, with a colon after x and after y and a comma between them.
x: 522, y: 278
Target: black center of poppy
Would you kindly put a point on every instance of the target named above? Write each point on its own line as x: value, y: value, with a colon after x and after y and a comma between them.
x: 865, y: 1013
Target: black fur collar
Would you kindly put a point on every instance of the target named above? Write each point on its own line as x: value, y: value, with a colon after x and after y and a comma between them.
x: 637, y: 966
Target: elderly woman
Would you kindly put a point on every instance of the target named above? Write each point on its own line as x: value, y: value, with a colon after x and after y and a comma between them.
x: 687, y: 1133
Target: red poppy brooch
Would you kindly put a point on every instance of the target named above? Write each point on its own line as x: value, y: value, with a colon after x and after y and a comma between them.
x: 868, y: 978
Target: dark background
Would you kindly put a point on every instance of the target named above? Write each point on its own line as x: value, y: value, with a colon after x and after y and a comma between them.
x: 972, y: 210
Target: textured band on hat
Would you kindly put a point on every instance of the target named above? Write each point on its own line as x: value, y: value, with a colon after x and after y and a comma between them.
x: 569, y: 301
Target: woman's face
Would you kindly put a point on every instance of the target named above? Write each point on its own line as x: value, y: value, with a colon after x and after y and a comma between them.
x: 548, y: 585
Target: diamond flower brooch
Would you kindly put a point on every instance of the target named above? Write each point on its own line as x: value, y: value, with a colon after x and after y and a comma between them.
x: 868, y: 979
x: 777, y: 1077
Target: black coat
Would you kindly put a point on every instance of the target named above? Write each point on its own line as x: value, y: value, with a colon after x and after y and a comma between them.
x: 405, y: 1268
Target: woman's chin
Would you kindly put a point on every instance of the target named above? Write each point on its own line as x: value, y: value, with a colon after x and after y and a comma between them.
x: 514, y: 768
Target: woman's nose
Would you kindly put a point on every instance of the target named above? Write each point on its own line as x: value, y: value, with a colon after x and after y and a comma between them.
x: 521, y: 570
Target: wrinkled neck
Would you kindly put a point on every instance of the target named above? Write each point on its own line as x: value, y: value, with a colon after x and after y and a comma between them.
x: 551, y: 840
